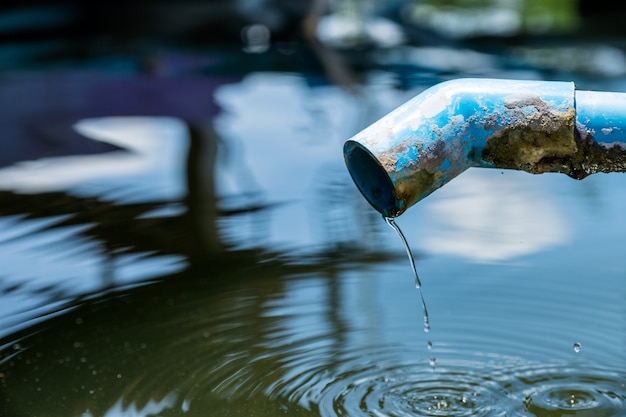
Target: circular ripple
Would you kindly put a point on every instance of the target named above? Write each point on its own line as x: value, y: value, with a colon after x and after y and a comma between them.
x: 187, y: 357
x: 441, y: 393
x: 563, y: 392
x: 381, y: 386
x: 394, y: 389
x: 554, y: 401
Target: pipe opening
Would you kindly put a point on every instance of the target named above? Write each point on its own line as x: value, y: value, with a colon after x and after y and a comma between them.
x: 370, y: 178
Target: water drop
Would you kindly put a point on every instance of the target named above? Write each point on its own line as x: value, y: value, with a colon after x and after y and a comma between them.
x: 577, y: 347
x: 432, y: 362
x: 429, y: 345
x: 390, y: 221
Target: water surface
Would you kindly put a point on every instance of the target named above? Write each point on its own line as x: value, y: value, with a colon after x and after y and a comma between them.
x: 231, y: 268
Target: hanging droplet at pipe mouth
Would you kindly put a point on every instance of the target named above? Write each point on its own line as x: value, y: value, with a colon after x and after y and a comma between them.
x: 532, y: 126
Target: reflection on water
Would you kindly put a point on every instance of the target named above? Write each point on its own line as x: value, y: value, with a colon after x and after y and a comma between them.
x: 300, y: 340
x: 226, y: 265
x: 502, y: 217
x: 151, y: 160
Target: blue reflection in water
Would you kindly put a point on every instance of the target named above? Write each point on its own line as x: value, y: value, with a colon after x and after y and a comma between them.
x: 273, y: 288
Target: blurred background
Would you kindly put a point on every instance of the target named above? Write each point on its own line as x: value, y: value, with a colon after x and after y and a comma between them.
x: 179, y: 234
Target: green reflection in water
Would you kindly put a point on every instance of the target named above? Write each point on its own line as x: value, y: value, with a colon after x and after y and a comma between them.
x: 239, y: 337
x: 190, y: 344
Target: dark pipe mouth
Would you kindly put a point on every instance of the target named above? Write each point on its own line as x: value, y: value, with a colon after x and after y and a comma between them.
x: 370, y: 178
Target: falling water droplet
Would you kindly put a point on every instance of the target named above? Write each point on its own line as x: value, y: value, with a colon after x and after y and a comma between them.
x: 432, y: 362
x: 390, y: 221
x: 429, y: 345
x: 577, y: 347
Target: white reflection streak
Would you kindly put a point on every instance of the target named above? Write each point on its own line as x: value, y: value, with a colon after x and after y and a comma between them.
x: 153, y: 160
x: 147, y: 147
x: 488, y: 217
x: 151, y: 408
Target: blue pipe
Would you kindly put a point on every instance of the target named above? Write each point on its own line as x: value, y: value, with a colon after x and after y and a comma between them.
x: 533, y: 126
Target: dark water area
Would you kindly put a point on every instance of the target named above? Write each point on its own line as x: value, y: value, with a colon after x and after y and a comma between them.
x: 179, y: 236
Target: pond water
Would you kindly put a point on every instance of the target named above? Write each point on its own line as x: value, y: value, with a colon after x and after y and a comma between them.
x: 228, y: 266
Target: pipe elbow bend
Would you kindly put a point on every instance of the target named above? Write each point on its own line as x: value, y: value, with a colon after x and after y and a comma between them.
x: 438, y: 134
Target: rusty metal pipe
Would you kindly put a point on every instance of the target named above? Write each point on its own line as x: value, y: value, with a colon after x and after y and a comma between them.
x: 533, y: 126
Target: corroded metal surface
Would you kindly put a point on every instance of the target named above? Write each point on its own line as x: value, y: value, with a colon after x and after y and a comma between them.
x: 534, y: 126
